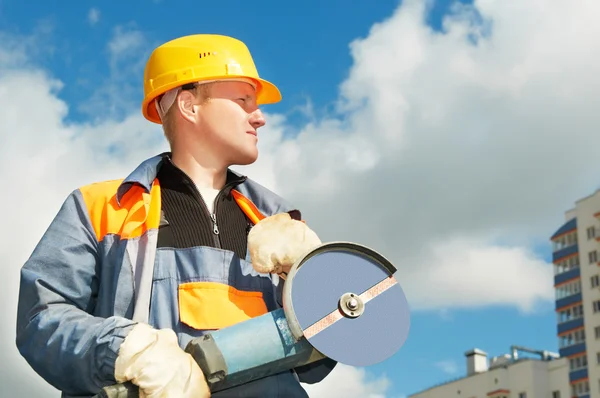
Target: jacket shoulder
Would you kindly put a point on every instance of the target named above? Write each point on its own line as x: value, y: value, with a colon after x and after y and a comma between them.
x: 99, y: 192
x: 267, y: 201
x: 103, y: 211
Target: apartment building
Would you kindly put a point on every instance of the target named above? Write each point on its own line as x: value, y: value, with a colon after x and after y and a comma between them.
x: 575, y: 254
x: 507, y: 376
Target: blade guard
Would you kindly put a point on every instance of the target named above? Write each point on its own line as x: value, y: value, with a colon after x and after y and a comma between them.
x: 357, y: 300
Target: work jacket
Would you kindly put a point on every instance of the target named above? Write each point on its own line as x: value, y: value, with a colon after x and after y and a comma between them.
x: 97, y: 272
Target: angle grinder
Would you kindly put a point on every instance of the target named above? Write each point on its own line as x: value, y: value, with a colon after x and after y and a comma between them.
x: 340, y: 300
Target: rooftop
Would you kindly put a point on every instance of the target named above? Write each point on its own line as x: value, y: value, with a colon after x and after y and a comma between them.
x: 502, y: 361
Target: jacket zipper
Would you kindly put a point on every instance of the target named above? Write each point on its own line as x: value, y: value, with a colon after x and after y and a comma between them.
x: 213, y: 215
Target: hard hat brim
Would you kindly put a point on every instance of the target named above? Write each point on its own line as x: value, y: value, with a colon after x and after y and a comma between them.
x: 268, y: 93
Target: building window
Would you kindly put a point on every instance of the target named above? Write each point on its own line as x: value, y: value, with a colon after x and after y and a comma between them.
x: 564, y: 241
x: 571, y: 338
x: 570, y: 314
x: 568, y: 289
x: 593, y: 257
x: 577, y: 363
x: 596, y: 306
x: 591, y: 233
x: 581, y: 388
x: 598, y: 358
x: 595, y: 281
x: 522, y: 395
x: 597, y: 332
x: 555, y: 394
x: 566, y: 265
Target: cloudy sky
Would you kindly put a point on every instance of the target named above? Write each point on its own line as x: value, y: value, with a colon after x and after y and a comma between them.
x: 451, y: 137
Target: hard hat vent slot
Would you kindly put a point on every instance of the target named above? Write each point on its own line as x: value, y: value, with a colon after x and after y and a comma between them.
x: 204, y: 55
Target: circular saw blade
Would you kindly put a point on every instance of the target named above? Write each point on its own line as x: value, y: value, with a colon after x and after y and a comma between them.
x: 346, y: 302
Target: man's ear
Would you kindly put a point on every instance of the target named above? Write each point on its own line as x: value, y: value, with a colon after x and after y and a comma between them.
x: 185, y: 103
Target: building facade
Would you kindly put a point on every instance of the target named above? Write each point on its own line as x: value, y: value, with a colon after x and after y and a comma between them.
x: 507, y: 376
x: 575, y: 247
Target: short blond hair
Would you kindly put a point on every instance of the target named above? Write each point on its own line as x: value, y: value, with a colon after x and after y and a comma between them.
x: 201, y: 93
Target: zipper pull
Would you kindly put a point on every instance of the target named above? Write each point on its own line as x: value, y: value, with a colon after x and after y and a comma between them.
x: 215, y: 227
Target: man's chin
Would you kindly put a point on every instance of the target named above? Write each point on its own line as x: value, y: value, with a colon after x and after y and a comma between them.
x: 246, y: 160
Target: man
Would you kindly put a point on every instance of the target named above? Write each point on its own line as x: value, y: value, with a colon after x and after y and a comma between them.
x: 130, y: 270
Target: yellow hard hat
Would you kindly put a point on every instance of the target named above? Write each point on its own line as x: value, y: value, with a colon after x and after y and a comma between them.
x: 196, y: 58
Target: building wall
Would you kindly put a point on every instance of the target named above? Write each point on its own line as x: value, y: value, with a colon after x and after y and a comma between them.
x: 557, y: 372
x: 590, y: 279
x: 538, y: 379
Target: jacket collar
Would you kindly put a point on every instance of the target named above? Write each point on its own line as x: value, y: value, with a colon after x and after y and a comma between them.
x: 145, y: 174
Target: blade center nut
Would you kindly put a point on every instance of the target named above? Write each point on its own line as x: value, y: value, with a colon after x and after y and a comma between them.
x: 351, y: 305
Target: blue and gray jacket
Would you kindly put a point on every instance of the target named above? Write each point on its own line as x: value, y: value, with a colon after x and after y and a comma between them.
x: 103, y: 265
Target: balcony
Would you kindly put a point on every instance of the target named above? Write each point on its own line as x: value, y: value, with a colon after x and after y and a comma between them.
x: 565, y: 252
x: 569, y: 226
x: 572, y: 350
x: 565, y: 301
x: 565, y: 276
x: 569, y: 325
x: 578, y: 374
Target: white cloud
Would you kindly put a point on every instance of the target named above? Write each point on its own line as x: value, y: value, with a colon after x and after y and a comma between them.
x: 93, y: 16
x: 487, y: 274
x: 443, y: 150
x: 124, y: 41
x: 349, y: 382
x: 115, y: 96
x: 449, y: 367
x: 453, y: 158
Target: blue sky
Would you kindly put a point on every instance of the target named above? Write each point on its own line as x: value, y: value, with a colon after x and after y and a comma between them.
x: 296, y: 46
x: 312, y: 56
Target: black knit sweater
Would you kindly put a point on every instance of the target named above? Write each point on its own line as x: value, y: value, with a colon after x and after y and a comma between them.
x: 186, y: 221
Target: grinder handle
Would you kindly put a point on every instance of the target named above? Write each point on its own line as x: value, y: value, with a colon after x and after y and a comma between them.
x: 121, y: 390
x: 205, y: 352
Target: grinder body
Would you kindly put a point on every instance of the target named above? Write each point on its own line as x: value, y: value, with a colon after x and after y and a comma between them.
x: 250, y: 350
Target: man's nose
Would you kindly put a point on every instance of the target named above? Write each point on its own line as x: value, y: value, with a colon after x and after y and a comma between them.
x: 257, y: 119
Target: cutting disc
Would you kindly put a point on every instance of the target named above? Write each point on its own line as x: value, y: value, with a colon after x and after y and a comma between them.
x: 343, y: 298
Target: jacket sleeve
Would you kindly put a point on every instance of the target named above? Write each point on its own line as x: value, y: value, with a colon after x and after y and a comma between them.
x: 72, y: 350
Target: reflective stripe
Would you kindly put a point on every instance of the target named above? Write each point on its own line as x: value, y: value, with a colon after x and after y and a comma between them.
x: 211, y: 306
x: 143, y: 270
x: 247, y: 207
x: 142, y: 253
x: 129, y: 220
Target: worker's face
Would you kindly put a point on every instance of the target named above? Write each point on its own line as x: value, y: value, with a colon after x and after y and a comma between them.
x: 229, y: 121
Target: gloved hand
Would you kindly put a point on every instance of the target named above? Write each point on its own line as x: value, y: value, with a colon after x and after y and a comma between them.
x: 152, y: 360
x: 277, y: 242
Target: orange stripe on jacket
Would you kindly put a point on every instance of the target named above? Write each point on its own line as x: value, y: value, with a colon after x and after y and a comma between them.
x: 212, y: 306
x: 247, y: 207
x: 139, y: 211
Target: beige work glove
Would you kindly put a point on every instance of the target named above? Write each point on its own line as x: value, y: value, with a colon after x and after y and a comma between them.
x: 277, y: 242
x: 152, y: 359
